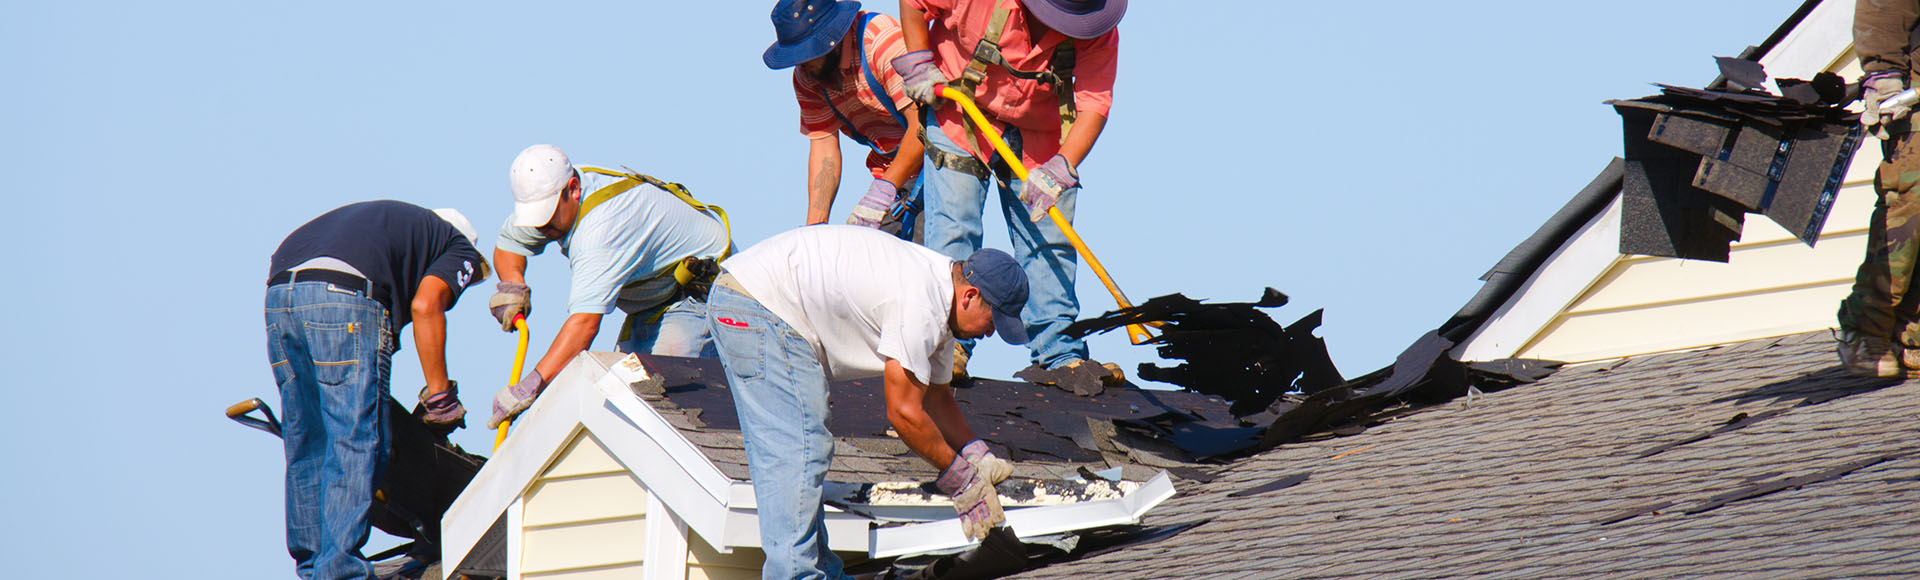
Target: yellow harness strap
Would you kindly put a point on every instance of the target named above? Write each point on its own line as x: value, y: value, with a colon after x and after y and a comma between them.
x: 631, y: 179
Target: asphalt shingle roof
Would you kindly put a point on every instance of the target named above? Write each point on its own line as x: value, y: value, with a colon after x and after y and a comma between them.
x: 1755, y: 459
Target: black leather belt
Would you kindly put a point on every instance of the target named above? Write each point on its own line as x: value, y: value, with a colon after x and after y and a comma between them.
x: 342, y: 280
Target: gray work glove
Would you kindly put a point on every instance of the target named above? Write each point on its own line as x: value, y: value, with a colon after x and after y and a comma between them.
x: 510, y: 299
x: 919, y: 76
x: 990, y: 467
x: 1874, y: 91
x: 443, y: 412
x: 872, y: 209
x: 973, y: 498
x: 1045, y: 184
x: 511, y: 400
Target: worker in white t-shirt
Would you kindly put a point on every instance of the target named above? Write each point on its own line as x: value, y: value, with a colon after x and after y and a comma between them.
x: 842, y: 302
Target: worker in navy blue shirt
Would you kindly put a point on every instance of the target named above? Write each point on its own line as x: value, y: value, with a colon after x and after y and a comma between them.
x: 338, y: 289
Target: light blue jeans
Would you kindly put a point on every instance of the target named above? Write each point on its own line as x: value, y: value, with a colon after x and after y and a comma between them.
x: 681, y: 331
x: 955, y: 201
x: 780, y: 395
x: 330, y: 351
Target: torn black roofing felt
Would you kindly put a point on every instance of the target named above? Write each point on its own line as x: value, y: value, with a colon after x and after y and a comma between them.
x: 1551, y: 481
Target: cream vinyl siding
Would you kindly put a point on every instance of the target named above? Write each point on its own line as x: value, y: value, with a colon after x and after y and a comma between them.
x: 585, y: 517
x: 1773, y: 285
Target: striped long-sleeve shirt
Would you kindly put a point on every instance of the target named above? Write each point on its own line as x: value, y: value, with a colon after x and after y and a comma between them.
x: 854, y: 97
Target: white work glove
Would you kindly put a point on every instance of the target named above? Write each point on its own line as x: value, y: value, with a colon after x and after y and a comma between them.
x: 1045, y: 184
x: 872, y: 209
x: 919, y: 76
x: 510, y: 299
x: 973, y: 498
x: 1875, y: 90
x: 990, y: 467
x: 513, y: 399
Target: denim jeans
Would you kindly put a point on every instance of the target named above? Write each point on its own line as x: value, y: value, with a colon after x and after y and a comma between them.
x: 330, y: 350
x: 681, y: 331
x: 955, y: 201
x: 780, y: 394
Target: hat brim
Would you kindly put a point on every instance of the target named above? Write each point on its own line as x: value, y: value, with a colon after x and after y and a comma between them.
x: 1010, y: 328
x: 818, y: 43
x: 533, y: 214
x: 1081, y: 25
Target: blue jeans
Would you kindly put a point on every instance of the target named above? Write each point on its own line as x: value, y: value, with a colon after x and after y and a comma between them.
x: 955, y: 201
x: 330, y: 350
x: 681, y: 331
x: 780, y: 395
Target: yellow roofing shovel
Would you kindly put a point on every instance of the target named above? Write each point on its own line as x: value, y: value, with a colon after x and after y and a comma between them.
x: 1135, y: 332
x: 519, y: 359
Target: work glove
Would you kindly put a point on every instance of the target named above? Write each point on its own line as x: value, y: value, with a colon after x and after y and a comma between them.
x: 872, y: 209
x: 900, y: 216
x: 443, y: 412
x: 990, y: 467
x: 920, y: 76
x: 1874, y: 91
x: 1045, y: 184
x: 511, y: 400
x: 510, y: 299
x: 973, y: 498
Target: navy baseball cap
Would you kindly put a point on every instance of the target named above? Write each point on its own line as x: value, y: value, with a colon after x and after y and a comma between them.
x: 1004, y: 285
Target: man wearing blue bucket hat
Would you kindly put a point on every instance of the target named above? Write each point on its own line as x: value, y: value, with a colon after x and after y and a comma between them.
x: 845, y: 83
x: 841, y: 302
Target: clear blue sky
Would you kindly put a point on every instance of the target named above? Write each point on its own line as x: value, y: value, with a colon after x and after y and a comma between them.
x: 1369, y: 158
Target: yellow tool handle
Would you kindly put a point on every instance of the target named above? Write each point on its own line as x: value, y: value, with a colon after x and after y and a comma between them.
x: 519, y: 360
x: 244, y: 407
x: 1135, y: 332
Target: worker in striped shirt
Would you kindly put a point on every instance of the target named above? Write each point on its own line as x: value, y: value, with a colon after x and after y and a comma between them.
x: 845, y: 83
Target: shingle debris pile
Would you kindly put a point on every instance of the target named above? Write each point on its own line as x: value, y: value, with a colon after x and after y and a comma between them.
x: 1698, y: 160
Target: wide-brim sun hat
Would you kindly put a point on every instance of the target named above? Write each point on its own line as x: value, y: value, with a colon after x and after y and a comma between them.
x: 807, y: 29
x: 536, y: 178
x: 1082, y: 19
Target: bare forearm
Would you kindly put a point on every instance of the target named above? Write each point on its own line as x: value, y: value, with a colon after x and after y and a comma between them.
x: 430, y: 340
x: 512, y: 267
x: 1086, y: 130
x: 907, y: 413
x: 906, y: 161
x: 823, y: 178
x: 913, y: 26
x: 945, y: 411
x: 574, y: 337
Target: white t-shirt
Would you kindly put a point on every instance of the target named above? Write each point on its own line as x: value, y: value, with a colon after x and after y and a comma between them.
x: 859, y: 295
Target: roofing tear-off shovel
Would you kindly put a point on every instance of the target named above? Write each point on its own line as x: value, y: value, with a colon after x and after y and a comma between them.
x: 1135, y: 332
x: 519, y: 359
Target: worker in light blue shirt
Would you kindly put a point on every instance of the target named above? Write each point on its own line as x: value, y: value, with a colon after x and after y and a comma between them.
x: 634, y: 244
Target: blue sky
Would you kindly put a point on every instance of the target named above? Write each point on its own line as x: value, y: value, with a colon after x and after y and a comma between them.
x: 1372, y: 159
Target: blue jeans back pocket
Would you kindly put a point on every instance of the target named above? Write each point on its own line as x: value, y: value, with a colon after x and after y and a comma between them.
x: 741, y: 340
x: 335, y: 348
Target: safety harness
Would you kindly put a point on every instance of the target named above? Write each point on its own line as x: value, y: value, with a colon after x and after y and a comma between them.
x: 1058, y: 75
x: 879, y: 93
x: 692, y: 275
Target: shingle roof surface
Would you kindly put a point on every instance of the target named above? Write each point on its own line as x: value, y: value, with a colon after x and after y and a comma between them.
x: 1562, y: 479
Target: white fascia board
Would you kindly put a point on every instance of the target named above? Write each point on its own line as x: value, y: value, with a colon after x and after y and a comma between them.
x: 1026, y: 522
x: 1825, y: 35
x: 537, y: 436
x: 845, y: 532
x: 677, y: 484
x: 1554, y: 286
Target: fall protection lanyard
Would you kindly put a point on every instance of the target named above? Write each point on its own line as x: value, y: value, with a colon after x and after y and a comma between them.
x: 879, y: 93
x: 1059, y: 73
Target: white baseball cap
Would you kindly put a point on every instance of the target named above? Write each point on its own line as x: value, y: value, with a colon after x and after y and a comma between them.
x: 537, y: 177
x: 460, y: 223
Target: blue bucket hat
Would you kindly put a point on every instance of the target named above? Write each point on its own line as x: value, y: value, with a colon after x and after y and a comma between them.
x: 807, y: 29
x: 1082, y: 19
x: 1004, y: 285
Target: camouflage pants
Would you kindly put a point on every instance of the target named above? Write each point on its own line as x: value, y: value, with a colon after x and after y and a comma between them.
x: 1880, y: 304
